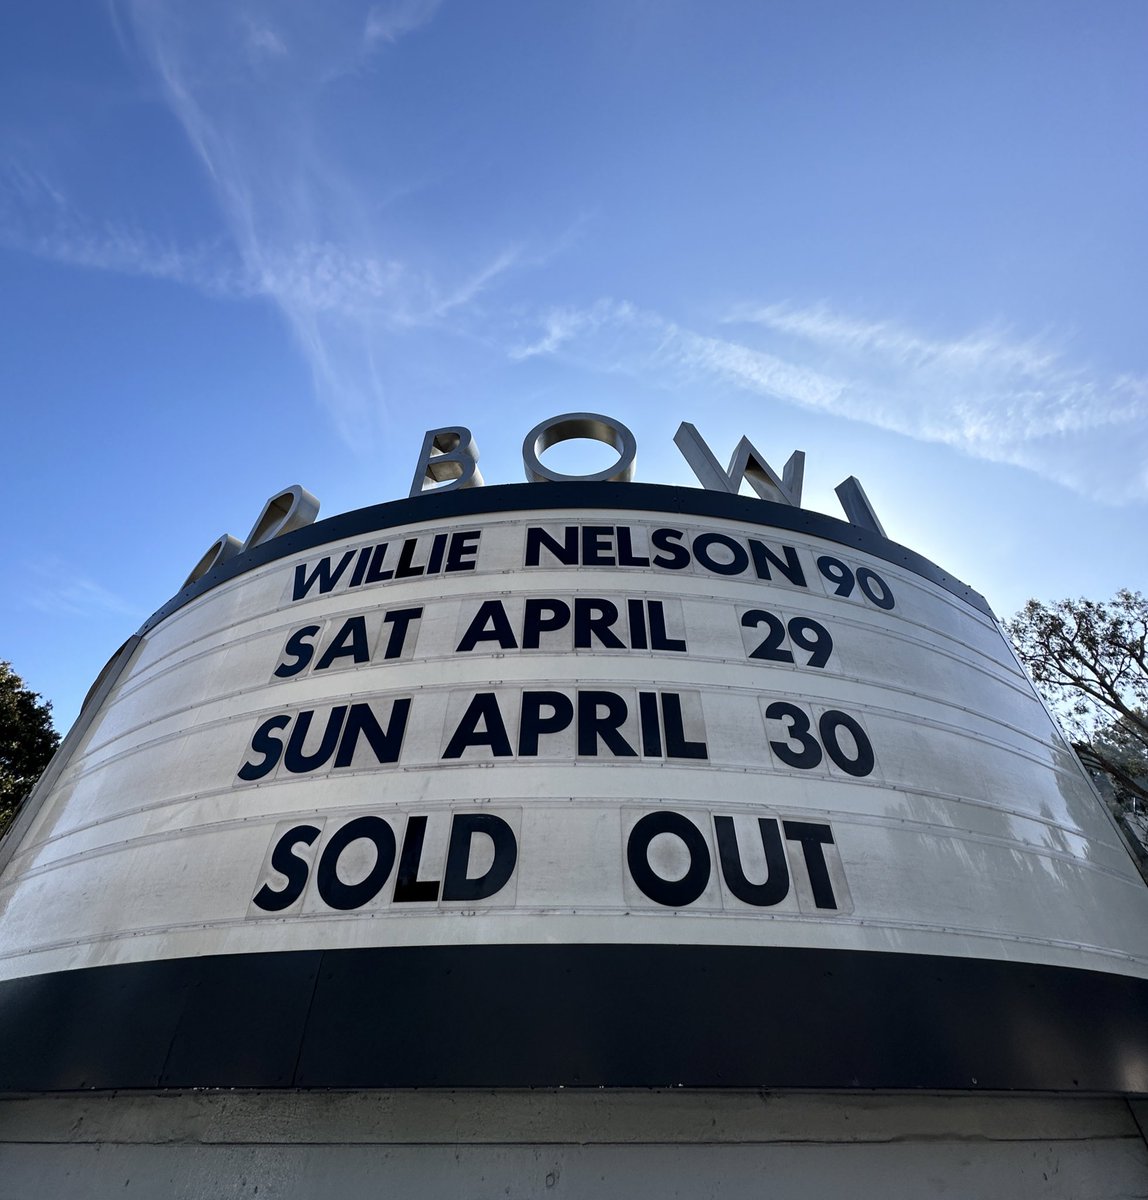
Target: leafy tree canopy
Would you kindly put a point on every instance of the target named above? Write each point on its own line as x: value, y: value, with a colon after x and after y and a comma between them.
x: 1088, y: 658
x: 27, y: 741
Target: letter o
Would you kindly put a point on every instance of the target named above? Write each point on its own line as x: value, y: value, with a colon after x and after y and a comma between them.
x: 579, y: 425
x: 739, y: 559
x: 344, y: 896
x: 673, y: 893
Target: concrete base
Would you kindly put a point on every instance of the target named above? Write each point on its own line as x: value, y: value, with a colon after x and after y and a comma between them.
x: 597, y: 1144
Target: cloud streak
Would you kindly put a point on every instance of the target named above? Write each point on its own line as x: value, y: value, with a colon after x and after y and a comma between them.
x: 304, y: 277
x: 986, y: 395
x: 260, y: 90
x: 36, y: 217
x: 303, y: 233
x: 391, y: 21
x: 60, y: 591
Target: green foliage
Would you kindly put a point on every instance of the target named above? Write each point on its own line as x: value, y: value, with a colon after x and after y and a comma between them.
x: 27, y: 741
x: 1089, y: 660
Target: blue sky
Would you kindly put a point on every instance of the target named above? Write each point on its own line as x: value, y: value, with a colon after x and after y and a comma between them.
x: 246, y: 244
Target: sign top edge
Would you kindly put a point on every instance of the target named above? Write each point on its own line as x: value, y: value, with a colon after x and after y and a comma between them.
x: 532, y: 497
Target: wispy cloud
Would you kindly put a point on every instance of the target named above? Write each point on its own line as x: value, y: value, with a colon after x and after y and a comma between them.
x: 256, y: 86
x: 36, y: 217
x: 823, y: 326
x: 264, y: 41
x: 248, y: 82
x: 983, y: 391
x: 57, y: 589
x: 391, y: 21
x: 561, y: 326
x: 1002, y: 399
x: 341, y: 303
x: 260, y: 90
x: 305, y: 277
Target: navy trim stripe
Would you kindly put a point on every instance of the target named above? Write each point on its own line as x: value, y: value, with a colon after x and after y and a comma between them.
x: 540, y: 497
x: 584, y: 1015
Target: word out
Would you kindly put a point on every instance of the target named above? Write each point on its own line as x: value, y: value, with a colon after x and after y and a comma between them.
x: 682, y: 891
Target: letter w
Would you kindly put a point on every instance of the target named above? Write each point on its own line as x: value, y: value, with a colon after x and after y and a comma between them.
x: 322, y: 574
x: 746, y: 463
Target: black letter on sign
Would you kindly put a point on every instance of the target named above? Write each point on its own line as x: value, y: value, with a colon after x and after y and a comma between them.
x: 300, y: 649
x: 286, y: 863
x: 659, y: 640
x: 676, y: 744
x: 595, y: 618
x: 462, y: 547
x: 386, y: 744
x: 400, y: 619
x: 490, y: 612
x: 776, y: 885
x: 408, y: 885
x: 790, y: 566
x: 532, y: 723
x: 345, y: 896
x: 270, y: 747
x: 593, y: 725
x: 322, y: 575
x: 350, y: 642
x: 566, y: 551
x: 299, y: 763
x: 534, y: 623
x: 456, y: 885
x: 674, y: 557
x: 484, y: 708
x: 673, y: 893
x: 812, y: 837
x: 739, y: 560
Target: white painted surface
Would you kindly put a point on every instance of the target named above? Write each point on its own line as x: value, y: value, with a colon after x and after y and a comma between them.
x: 975, y: 833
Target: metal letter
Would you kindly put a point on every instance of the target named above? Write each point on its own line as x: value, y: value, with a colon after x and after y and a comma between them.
x: 224, y: 547
x: 746, y: 463
x: 857, y: 507
x: 580, y: 425
x: 291, y: 509
x: 448, y: 461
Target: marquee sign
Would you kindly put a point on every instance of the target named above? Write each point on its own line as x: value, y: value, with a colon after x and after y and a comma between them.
x: 589, y: 783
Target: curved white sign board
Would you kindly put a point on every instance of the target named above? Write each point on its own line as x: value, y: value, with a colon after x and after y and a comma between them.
x: 571, y: 784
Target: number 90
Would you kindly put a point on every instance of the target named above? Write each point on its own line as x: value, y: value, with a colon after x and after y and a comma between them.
x: 872, y: 586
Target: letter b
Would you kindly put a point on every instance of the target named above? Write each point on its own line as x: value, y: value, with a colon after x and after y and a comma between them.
x: 447, y: 461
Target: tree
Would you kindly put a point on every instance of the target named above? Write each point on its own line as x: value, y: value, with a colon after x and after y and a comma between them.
x: 27, y: 741
x: 1089, y: 660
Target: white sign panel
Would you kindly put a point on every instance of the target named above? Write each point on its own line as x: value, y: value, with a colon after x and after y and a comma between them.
x: 599, y: 727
